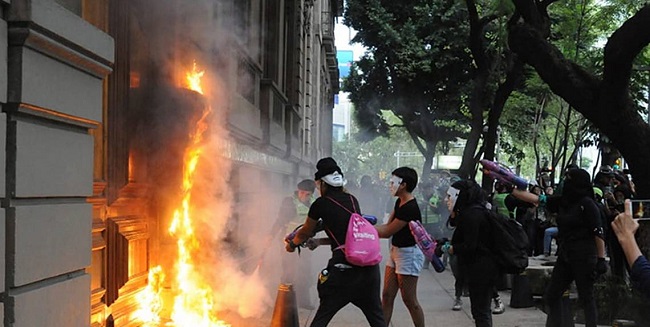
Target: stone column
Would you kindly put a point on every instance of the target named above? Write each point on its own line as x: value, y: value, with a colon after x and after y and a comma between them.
x: 56, y: 66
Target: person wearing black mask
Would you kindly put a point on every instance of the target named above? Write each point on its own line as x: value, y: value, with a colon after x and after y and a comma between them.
x: 581, y: 248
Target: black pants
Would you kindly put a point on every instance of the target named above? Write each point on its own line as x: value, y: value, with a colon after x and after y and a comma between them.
x: 481, y: 278
x: 531, y: 227
x: 582, y: 270
x: 359, y: 286
x: 617, y: 261
x: 460, y: 283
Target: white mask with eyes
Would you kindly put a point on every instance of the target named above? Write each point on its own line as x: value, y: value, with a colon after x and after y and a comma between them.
x: 394, y: 184
x: 452, y: 196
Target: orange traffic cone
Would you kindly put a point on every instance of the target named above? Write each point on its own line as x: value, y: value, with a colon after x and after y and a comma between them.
x: 285, y: 313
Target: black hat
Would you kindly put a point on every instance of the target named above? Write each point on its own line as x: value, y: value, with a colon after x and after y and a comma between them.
x: 325, y: 167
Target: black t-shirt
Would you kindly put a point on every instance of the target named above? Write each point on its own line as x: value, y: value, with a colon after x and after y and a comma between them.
x: 407, y: 212
x: 576, y: 223
x: 335, y: 219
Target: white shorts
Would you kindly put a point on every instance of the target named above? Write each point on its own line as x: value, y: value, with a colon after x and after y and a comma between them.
x: 406, y: 261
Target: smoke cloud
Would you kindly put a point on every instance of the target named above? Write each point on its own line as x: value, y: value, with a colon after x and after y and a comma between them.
x: 232, y: 209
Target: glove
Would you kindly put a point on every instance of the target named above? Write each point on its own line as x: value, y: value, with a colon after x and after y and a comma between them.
x: 601, y: 266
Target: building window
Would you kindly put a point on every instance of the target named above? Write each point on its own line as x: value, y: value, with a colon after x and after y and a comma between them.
x: 338, y: 132
x: 246, y: 82
x: 278, y: 110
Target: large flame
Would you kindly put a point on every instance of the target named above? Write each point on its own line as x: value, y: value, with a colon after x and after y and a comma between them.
x: 193, y: 301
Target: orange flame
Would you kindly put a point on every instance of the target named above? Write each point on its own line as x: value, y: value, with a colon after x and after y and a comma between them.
x: 193, y: 302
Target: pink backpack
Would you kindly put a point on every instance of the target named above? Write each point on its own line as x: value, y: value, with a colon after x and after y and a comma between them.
x: 361, y: 246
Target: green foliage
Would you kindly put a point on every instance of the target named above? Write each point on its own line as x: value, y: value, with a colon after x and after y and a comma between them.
x: 417, y: 66
x: 579, y: 29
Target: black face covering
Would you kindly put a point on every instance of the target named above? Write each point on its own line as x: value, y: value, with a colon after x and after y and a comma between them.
x: 577, y: 184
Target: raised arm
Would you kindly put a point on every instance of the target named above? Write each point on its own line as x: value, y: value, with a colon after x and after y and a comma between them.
x: 625, y: 227
x: 526, y: 196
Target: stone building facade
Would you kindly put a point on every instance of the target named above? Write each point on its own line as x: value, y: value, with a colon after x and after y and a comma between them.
x: 77, y: 226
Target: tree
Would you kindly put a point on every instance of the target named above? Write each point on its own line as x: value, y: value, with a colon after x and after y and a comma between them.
x: 495, y: 75
x: 416, y: 67
x: 604, y: 99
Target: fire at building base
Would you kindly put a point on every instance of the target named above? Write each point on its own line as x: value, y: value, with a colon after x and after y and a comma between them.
x: 137, y: 197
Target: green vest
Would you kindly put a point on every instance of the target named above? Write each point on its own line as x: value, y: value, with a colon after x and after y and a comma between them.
x: 499, y: 202
x: 301, y: 209
x: 431, y: 215
x: 434, y: 200
x: 301, y: 213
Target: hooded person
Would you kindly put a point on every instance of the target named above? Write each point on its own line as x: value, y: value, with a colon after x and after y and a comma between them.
x: 340, y: 283
x: 471, y: 242
x: 581, y: 247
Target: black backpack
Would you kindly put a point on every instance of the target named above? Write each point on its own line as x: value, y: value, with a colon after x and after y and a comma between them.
x: 509, y: 243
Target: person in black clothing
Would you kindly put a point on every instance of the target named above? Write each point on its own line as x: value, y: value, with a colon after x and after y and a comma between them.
x: 460, y: 281
x: 406, y: 259
x: 525, y: 216
x: 581, y: 249
x: 340, y: 282
x: 471, y: 242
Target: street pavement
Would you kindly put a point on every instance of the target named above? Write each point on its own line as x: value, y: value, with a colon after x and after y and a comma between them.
x: 436, y: 294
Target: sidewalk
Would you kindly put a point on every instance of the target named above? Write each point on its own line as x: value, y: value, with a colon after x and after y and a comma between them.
x: 435, y: 293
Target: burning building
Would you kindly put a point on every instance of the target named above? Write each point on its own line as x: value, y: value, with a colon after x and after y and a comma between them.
x: 138, y: 135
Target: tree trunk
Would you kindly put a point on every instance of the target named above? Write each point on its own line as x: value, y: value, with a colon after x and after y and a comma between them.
x: 514, y: 76
x: 428, y: 160
x: 603, y: 101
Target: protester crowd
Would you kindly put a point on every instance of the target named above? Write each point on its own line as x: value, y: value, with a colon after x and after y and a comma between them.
x: 584, y: 224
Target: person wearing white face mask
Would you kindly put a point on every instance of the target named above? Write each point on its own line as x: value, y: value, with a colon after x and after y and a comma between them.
x: 471, y: 242
x: 340, y: 283
x: 406, y: 259
x: 460, y: 282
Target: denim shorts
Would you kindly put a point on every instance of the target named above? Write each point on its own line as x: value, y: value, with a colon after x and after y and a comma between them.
x: 406, y: 261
